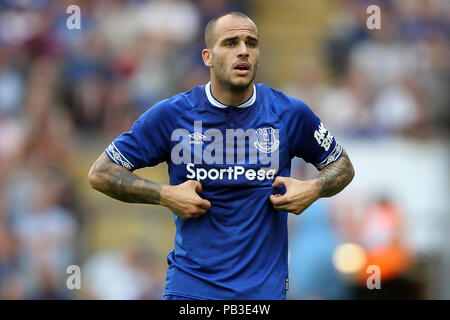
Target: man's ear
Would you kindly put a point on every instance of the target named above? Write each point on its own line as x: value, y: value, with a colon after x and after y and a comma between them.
x: 207, y: 57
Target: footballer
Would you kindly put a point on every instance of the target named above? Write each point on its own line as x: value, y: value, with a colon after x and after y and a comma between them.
x: 228, y: 145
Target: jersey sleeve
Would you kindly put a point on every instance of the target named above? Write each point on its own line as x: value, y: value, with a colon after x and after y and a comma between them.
x: 309, y: 138
x: 147, y: 142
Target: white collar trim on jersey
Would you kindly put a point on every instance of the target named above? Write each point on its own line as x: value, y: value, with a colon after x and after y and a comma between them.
x: 218, y: 104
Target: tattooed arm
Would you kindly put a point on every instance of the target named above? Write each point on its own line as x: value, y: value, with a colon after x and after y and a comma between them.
x: 335, y: 177
x: 301, y: 194
x: 119, y: 183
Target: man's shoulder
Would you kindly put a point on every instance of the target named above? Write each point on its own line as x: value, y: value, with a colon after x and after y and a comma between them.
x: 194, y: 95
x: 179, y: 103
x: 266, y: 91
x: 279, y: 101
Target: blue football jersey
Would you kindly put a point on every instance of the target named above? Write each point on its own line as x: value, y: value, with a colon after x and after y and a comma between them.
x: 239, y: 248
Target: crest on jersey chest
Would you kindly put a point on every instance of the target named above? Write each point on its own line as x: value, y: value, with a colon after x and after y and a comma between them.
x: 266, y: 140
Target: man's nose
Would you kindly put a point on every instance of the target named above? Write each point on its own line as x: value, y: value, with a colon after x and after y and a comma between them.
x: 242, y: 49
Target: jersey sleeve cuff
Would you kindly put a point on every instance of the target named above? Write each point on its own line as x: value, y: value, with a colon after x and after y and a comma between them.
x: 115, y: 155
x: 333, y: 156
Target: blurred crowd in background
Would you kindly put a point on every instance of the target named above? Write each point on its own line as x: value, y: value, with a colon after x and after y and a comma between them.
x: 391, y: 81
x: 60, y: 87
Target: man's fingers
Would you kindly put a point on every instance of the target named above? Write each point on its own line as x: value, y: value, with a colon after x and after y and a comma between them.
x: 280, y: 181
x: 202, y: 203
x: 284, y: 207
x: 196, y: 185
x: 205, y: 204
x: 276, y: 195
x: 287, y: 208
x: 279, y: 200
x: 197, y: 212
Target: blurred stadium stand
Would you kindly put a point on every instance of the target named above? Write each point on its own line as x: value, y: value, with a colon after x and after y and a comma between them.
x: 65, y: 94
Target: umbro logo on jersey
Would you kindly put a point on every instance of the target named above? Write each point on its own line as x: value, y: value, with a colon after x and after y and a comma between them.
x: 197, y: 138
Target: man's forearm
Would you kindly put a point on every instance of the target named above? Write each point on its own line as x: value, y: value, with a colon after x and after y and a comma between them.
x: 121, y: 184
x: 335, y: 177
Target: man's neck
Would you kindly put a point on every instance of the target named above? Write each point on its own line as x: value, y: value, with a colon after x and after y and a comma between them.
x: 229, y: 97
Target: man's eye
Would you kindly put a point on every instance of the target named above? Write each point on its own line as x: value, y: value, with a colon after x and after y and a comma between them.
x: 229, y: 44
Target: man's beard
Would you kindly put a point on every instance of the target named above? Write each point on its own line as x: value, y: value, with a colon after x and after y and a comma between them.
x: 226, y: 81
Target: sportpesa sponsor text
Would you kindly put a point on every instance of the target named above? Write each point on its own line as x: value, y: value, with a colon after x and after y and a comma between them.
x: 249, y: 147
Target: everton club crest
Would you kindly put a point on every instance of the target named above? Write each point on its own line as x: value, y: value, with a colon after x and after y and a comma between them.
x: 266, y: 140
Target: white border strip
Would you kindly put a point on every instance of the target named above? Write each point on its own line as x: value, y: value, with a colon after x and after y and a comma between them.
x: 122, y: 154
x: 333, y: 156
x: 122, y: 158
x: 111, y: 156
x: 218, y: 104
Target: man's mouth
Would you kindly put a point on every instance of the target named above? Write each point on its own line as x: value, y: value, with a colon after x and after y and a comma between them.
x: 242, y: 68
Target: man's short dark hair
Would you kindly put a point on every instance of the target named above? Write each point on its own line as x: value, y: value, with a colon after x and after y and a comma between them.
x: 209, y: 29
